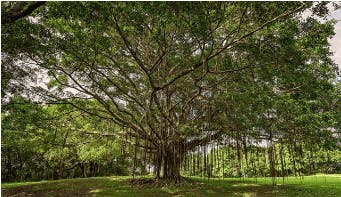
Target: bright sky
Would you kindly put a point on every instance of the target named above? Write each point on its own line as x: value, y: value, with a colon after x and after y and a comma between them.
x: 336, y: 40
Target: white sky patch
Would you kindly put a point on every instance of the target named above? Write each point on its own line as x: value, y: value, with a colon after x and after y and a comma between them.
x: 336, y: 40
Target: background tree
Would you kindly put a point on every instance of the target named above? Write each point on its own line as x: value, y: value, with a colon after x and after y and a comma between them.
x: 57, y: 141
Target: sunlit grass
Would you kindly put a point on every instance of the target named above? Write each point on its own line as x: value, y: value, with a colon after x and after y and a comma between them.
x: 20, y: 184
x: 317, y: 185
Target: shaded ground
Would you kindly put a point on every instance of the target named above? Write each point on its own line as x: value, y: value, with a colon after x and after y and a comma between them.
x: 123, y: 186
x: 67, y: 188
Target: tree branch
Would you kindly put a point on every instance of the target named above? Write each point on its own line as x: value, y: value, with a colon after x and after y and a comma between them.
x: 19, y: 11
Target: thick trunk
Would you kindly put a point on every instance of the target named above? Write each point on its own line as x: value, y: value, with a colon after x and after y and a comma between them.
x: 168, y: 162
x: 172, y: 167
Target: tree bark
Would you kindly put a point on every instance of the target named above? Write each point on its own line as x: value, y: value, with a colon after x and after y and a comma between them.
x: 169, y: 161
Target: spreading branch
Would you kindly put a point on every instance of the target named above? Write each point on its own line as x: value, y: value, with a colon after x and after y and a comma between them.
x: 20, y: 10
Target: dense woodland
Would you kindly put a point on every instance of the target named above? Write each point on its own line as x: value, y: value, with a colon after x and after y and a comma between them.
x: 211, y: 89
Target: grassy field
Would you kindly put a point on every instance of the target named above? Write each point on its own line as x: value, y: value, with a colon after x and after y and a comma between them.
x: 318, y: 185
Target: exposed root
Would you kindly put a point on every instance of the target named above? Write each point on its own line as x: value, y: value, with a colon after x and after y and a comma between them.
x: 152, y: 182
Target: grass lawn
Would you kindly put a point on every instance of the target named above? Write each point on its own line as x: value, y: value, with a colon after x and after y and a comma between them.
x: 318, y: 185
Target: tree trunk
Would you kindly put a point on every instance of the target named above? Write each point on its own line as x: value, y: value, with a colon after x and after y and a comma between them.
x: 193, y: 164
x: 239, y: 165
x: 282, y: 160
x: 169, y: 162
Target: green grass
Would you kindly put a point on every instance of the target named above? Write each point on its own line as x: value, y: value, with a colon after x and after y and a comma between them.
x: 318, y: 185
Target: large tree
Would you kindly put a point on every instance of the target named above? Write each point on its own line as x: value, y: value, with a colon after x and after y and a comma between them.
x: 169, y: 74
